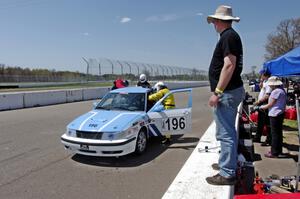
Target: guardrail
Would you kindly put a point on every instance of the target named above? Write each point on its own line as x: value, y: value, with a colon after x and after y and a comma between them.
x: 18, y: 100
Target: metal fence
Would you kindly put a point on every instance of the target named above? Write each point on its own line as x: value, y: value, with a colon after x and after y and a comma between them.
x: 104, y: 66
x: 102, y: 69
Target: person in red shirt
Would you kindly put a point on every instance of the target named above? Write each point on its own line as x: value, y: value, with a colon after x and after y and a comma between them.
x: 118, y: 83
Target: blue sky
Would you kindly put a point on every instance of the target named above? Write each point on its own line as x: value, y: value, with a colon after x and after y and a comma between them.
x: 56, y: 34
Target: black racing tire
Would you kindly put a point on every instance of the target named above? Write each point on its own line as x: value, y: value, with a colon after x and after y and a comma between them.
x: 141, y: 142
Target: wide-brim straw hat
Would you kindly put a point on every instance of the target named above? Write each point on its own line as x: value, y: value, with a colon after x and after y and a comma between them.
x: 223, y: 13
x: 274, y: 81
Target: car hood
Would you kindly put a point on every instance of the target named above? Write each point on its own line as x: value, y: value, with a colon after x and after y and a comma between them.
x: 105, y: 121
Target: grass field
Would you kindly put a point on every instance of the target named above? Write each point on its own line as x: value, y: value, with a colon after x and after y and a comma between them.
x: 293, y: 124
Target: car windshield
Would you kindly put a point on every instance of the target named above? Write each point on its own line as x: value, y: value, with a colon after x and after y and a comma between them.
x: 123, y: 101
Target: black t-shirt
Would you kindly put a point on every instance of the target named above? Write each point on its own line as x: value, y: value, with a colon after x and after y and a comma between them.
x: 229, y: 43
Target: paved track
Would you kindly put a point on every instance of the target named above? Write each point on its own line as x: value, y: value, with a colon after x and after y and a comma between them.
x: 34, y: 164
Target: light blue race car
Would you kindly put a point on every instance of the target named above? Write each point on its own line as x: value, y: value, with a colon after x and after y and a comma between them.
x: 124, y: 120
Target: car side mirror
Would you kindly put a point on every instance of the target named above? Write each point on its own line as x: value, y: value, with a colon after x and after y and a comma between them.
x: 158, y: 108
x: 95, y: 104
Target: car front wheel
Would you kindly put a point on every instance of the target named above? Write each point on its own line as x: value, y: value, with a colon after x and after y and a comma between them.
x: 141, y: 142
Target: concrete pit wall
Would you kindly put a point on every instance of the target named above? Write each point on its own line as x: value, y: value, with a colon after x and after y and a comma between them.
x: 17, y: 100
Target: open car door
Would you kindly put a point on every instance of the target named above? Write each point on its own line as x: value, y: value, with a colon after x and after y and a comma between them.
x: 177, y: 120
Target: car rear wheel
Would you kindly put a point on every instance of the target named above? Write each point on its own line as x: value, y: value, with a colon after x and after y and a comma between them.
x: 141, y: 142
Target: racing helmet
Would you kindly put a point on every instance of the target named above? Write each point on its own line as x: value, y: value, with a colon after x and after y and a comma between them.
x: 159, y: 85
x: 143, y: 78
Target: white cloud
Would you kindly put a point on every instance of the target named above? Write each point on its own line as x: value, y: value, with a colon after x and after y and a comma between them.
x: 125, y: 20
x: 199, y: 14
x: 85, y: 34
x: 162, y: 18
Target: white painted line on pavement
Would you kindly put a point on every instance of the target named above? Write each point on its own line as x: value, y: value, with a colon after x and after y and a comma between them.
x: 190, y: 182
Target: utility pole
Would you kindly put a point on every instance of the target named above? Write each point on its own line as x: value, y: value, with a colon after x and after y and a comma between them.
x: 99, y: 65
x: 87, y: 68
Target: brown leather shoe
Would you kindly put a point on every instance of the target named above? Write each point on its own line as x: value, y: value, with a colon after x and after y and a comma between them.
x: 220, y: 180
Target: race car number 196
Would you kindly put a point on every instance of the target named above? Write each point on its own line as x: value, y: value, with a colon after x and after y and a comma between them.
x: 174, y: 123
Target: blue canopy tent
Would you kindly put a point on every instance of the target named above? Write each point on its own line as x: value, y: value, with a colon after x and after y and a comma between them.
x: 285, y: 65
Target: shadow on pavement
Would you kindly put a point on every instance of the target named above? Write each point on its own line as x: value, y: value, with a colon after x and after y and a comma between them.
x: 288, y: 128
x: 291, y: 147
x: 154, y: 149
x: 294, y: 157
x: 178, y: 141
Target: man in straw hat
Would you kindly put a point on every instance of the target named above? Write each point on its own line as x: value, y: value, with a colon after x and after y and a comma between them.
x: 228, y: 91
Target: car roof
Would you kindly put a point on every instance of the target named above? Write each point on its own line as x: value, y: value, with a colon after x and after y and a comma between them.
x: 131, y: 90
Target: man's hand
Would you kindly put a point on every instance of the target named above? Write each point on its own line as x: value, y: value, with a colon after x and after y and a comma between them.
x: 213, y: 100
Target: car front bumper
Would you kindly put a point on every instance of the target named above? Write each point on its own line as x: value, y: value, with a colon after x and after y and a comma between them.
x: 92, y: 147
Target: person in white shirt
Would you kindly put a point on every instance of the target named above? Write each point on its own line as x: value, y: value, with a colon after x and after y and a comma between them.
x: 263, y: 118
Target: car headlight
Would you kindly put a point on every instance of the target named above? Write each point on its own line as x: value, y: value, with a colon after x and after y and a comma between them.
x: 127, y: 134
x: 71, y: 132
x: 119, y: 135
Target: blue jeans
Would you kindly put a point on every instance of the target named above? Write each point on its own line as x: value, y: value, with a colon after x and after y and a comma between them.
x: 225, y: 114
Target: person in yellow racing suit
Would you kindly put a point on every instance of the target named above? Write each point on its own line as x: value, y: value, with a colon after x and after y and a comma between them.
x: 169, y: 102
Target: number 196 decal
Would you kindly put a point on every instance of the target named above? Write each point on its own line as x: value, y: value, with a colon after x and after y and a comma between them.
x: 174, y: 123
